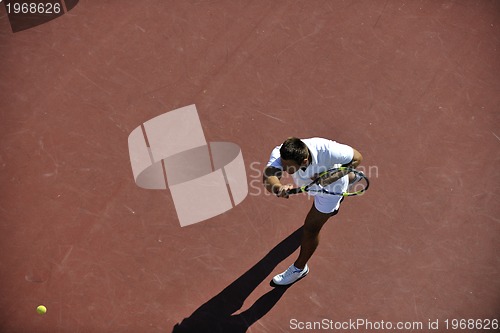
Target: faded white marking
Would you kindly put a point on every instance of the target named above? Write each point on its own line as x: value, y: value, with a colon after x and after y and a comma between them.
x: 275, y: 118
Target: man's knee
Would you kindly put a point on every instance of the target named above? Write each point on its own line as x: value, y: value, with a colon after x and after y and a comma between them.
x: 314, y: 222
x: 312, y: 230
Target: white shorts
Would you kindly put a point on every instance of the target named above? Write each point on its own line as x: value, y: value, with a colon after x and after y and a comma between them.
x: 327, y: 204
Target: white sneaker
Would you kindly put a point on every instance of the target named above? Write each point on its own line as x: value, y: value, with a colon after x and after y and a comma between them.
x: 291, y: 275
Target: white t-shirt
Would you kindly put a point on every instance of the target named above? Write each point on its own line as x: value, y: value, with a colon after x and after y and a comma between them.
x: 325, y: 154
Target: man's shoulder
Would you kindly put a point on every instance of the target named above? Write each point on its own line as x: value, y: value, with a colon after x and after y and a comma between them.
x: 317, y: 141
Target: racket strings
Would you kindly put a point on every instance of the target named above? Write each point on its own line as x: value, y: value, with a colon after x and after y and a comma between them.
x: 358, y: 184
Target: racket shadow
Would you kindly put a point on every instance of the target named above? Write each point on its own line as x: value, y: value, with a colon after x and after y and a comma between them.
x: 217, y: 315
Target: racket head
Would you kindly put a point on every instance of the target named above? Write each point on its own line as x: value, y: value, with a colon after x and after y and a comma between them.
x: 358, y: 185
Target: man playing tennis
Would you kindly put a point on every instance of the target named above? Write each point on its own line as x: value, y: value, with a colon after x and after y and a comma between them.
x: 305, y: 159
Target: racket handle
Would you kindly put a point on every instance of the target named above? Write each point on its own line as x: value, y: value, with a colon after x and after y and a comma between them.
x: 294, y: 190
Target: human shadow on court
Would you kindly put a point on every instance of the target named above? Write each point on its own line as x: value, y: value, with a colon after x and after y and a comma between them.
x: 217, y: 315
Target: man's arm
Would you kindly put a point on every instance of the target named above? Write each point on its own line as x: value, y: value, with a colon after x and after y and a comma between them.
x: 272, y: 183
x: 271, y: 179
x: 355, y: 162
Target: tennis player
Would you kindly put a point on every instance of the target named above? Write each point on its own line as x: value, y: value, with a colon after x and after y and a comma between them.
x: 304, y: 159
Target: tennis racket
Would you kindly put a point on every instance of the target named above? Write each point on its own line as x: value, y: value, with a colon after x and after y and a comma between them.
x: 357, y: 187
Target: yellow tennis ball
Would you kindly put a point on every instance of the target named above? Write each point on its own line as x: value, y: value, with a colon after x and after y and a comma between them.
x: 41, y: 309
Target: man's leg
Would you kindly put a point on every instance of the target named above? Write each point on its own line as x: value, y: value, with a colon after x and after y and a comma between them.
x: 310, y: 237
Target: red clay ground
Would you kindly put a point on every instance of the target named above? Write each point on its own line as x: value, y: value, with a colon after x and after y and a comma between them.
x: 413, y: 85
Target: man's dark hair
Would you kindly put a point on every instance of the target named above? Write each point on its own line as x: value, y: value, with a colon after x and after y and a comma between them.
x: 294, y: 149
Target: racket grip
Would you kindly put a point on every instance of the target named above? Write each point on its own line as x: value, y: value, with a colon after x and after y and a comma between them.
x: 294, y: 190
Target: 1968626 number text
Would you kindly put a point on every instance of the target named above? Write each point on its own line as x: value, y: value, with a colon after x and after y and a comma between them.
x: 33, y: 8
x: 472, y: 324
